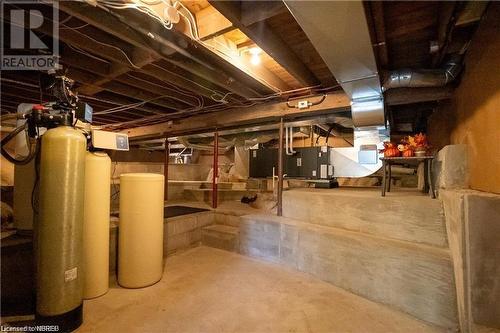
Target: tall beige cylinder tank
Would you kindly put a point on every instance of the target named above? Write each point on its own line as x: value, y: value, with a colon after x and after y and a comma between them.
x: 96, y: 224
x: 24, y: 181
x: 140, y: 233
x: 59, y: 227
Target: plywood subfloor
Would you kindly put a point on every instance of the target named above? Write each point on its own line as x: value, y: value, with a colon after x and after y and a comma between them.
x: 210, y: 290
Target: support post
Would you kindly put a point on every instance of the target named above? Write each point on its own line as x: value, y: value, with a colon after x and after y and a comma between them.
x: 216, y: 169
x: 280, y: 169
x: 165, y: 169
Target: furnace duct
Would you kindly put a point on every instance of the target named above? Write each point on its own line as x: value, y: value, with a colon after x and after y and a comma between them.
x: 407, y: 78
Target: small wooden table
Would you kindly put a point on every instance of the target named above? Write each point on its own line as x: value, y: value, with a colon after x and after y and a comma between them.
x: 386, y: 168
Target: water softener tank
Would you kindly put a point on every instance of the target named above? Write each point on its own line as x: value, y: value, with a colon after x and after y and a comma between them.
x: 140, y: 233
x: 96, y: 224
x: 59, y: 229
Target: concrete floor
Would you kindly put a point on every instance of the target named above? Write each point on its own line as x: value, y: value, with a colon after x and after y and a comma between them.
x: 209, y: 290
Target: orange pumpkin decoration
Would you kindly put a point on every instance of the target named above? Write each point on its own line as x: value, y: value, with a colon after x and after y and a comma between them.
x: 408, y: 153
x: 391, y: 150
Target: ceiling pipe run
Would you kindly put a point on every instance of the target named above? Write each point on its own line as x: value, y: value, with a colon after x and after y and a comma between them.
x: 407, y: 78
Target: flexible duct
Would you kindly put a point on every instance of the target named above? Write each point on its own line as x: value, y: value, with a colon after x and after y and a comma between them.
x: 407, y: 78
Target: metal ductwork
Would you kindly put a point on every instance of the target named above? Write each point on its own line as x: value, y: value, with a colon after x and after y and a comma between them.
x: 339, y: 32
x: 407, y: 78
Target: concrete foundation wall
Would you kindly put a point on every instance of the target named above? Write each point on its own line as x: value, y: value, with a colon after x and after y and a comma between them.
x: 473, y: 225
x: 471, y: 117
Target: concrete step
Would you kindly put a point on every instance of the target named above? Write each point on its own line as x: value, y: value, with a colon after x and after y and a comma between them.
x: 411, y: 277
x: 222, y: 237
x: 405, y: 215
x: 228, y: 219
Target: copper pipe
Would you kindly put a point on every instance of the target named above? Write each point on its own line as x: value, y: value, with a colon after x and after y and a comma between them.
x: 280, y: 169
x: 165, y: 169
x: 216, y: 169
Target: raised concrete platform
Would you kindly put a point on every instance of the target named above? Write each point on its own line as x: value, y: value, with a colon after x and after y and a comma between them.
x: 414, y: 278
x: 403, y: 214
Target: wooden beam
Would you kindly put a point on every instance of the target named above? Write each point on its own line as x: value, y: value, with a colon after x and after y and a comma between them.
x: 271, y: 112
x: 377, y: 14
x: 263, y: 35
x: 173, y: 46
x: 402, y: 96
x: 212, y: 23
x: 83, y: 62
x: 166, y: 72
x: 257, y: 11
x: 122, y: 89
x: 140, y: 59
x: 222, y: 43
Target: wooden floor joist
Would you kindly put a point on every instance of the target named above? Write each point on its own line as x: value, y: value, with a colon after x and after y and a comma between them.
x: 259, y: 114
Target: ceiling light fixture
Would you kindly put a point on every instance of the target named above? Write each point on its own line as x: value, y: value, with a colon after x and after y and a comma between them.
x: 255, y: 58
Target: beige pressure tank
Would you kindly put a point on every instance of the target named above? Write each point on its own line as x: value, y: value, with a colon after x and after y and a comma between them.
x: 59, y: 227
x: 96, y: 224
x: 24, y: 180
x: 140, y: 233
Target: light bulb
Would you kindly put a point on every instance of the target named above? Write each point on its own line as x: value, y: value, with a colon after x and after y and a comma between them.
x: 255, y: 50
x: 255, y: 59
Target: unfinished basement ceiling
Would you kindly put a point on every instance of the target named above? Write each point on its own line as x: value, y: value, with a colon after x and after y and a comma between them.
x: 135, y: 72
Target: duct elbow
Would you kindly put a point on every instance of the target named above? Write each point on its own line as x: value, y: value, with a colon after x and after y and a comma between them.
x: 422, y: 78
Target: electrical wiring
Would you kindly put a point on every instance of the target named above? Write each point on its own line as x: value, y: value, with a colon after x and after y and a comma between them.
x: 145, y: 9
x: 194, y: 33
x: 163, y: 87
x: 82, y: 51
x: 75, y: 28
x: 32, y: 151
x: 114, y: 47
x: 214, y: 92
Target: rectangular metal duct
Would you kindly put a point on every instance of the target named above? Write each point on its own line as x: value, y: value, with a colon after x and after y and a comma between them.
x: 339, y: 32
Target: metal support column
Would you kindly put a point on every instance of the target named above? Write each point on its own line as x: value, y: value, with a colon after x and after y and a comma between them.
x: 165, y: 169
x: 280, y: 169
x: 216, y: 169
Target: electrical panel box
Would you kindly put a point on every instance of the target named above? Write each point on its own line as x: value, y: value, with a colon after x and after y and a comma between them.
x: 306, y: 162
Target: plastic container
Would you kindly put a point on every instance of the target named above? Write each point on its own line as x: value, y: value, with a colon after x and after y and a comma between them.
x: 140, y: 233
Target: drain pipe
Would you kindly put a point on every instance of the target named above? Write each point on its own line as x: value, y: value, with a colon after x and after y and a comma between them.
x: 407, y: 78
x: 289, y: 141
